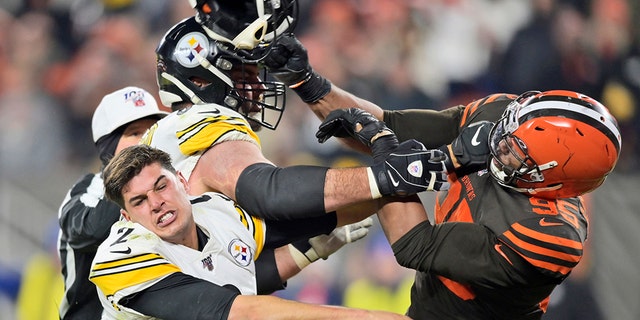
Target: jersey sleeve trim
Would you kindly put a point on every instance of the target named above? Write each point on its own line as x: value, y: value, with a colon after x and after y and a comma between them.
x: 256, y: 226
x: 209, y: 131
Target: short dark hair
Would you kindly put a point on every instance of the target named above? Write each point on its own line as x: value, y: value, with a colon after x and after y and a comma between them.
x: 128, y: 164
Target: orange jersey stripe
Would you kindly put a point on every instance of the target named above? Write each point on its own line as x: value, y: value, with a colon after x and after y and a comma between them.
x: 547, y: 238
x: 453, y: 196
x: 473, y: 106
x: 548, y: 265
x: 462, y: 291
x: 468, y: 110
x: 540, y: 250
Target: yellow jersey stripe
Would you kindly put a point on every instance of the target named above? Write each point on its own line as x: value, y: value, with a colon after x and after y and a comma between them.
x: 120, y: 278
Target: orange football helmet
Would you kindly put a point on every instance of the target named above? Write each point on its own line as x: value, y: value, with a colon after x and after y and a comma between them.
x: 554, y: 144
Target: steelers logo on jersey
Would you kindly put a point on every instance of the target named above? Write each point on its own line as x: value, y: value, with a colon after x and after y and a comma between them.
x: 191, y: 49
x: 241, y: 252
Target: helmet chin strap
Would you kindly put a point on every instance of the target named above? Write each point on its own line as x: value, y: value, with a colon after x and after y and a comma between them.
x: 536, y: 190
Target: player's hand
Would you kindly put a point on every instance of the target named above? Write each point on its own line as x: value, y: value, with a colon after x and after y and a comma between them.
x: 410, y: 169
x: 362, y: 126
x: 288, y: 62
x: 471, y: 148
x: 352, y: 122
x: 307, y: 251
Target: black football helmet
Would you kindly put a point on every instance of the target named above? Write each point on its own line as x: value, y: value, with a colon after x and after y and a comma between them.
x: 192, y: 67
x: 243, y: 25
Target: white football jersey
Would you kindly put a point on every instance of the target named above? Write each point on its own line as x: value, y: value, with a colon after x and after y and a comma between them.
x: 133, y: 258
x: 187, y: 133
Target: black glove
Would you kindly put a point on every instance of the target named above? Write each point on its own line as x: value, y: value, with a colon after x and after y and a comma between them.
x: 410, y: 169
x: 361, y: 125
x: 470, y: 148
x: 288, y: 62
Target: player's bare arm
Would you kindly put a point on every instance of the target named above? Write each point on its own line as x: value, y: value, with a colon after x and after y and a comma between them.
x: 399, y: 215
x: 274, y: 308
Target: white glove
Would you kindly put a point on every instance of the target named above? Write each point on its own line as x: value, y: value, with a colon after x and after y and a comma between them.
x: 323, y: 246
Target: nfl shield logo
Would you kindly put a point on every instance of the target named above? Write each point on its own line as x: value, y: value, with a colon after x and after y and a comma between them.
x: 241, y: 252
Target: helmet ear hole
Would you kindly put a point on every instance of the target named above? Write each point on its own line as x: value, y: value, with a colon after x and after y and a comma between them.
x: 232, y: 102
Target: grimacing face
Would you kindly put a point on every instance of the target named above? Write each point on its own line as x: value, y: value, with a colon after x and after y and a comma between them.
x: 158, y: 200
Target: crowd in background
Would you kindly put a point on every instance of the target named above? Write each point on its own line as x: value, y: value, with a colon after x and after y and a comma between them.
x: 59, y: 57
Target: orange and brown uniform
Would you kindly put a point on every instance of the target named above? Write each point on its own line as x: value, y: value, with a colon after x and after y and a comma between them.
x: 492, y: 253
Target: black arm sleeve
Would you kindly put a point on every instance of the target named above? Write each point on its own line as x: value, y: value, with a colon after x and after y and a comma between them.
x: 274, y: 193
x: 180, y: 296
x: 267, y: 276
x: 280, y: 233
x: 86, y: 216
x: 432, y: 128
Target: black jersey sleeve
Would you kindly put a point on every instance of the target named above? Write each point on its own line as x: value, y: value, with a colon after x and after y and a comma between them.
x: 282, y: 232
x: 432, y: 128
x: 435, y: 128
x: 181, y: 296
x: 267, y: 276
x: 464, y: 252
x: 86, y: 215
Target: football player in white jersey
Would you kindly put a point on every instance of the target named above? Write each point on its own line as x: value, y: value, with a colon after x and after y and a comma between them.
x: 219, y: 99
x: 176, y: 256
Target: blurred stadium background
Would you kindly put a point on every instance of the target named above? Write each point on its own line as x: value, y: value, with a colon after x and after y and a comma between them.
x: 59, y: 57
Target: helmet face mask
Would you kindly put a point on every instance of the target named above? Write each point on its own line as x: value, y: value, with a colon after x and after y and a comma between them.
x: 193, y: 68
x: 554, y: 144
x: 246, y: 24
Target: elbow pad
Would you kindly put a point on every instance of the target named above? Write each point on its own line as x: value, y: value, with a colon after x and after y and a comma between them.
x: 269, y: 192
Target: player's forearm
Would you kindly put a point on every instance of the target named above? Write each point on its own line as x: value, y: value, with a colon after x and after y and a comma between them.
x: 345, y: 187
x: 341, y: 99
x: 399, y: 215
x: 274, y: 308
x: 287, y: 266
x: 356, y: 212
x: 432, y: 128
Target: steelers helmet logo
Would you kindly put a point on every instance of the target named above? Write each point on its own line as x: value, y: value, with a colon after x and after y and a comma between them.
x: 190, y: 48
x: 241, y: 252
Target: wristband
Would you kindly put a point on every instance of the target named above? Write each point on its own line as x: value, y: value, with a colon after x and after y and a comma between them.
x: 448, y: 163
x: 312, y: 88
x: 301, y: 82
x: 373, y: 186
x: 302, y: 259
